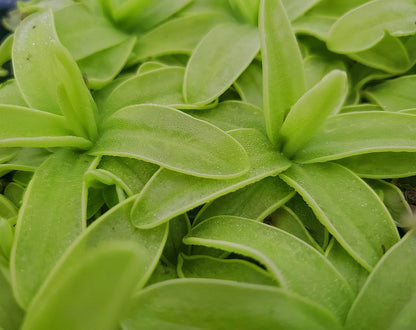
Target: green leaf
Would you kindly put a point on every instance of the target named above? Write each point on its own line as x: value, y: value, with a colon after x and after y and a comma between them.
x: 250, y: 85
x: 317, y: 26
x: 178, y: 228
x: 97, y: 32
x: 359, y: 133
x: 10, y: 93
x: 247, y: 9
x: 311, y: 110
x: 162, y: 86
x: 14, y: 192
x: 296, y: 8
x: 283, y: 73
x: 394, y: 200
x: 172, y: 139
x: 169, y: 193
x: 124, y: 13
x: 220, y: 57
x: 11, y: 314
x: 113, y: 226
x: 6, y: 241
x: 364, y: 26
x: 394, y: 94
x: 149, y: 66
x: 286, y: 257
x: 305, y: 214
x: 7, y: 209
x: 5, y: 53
x: 25, y: 159
x: 352, y: 271
x: 341, y: 200
x: 53, y: 213
x: 215, y: 304
x: 102, y: 67
x: 382, y: 165
x: 92, y: 294
x: 131, y: 174
x: 285, y: 219
x: 176, y: 36
x: 387, y: 300
x: 317, y: 67
x: 25, y: 127
x: 48, y: 77
x: 255, y: 201
x: 223, y: 269
x: 389, y: 55
x: 230, y: 115
x: 157, y: 12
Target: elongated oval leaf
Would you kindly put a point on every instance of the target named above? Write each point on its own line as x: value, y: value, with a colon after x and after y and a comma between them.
x: 341, y: 201
x: 10, y: 93
x: 250, y: 85
x: 255, y: 201
x: 387, y: 300
x: 360, y: 133
x: 395, y: 94
x: 223, y: 305
x: 162, y: 86
x: 352, y: 271
x: 364, y: 26
x: 285, y: 256
x: 92, y: 294
x: 311, y: 110
x: 296, y: 8
x: 25, y: 159
x: 230, y: 115
x: 317, y: 67
x: 381, y: 165
x: 53, y: 212
x: 48, y: 77
x: 176, y: 36
x: 169, y: 193
x: 172, y: 139
x: 97, y: 32
x: 283, y: 74
x: 223, y: 269
x: 221, y: 56
x: 11, y: 315
x: 25, y: 127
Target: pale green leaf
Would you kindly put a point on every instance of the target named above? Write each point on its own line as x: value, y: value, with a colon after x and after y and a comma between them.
x: 247, y: 9
x: 10, y: 93
x: 220, y: 57
x: 215, y: 304
x: 53, y: 213
x: 394, y: 94
x: 352, y: 271
x: 124, y: 14
x: 176, y: 36
x: 286, y: 257
x: 310, y: 111
x: 96, y: 31
x: 169, y: 193
x: 102, y: 67
x: 5, y: 53
x: 394, y: 200
x: 223, y: 269
x: 341, y: 201
x: 283, y: 73
x: 317, y: 67
x: 381, y: 165
x: 178, y: 228
x: 92, y: 294
x: 14, y: 192
x: 162, y: 86
x: 389, y: 55
x: 172, y: 139
x: 132, y: 174
x: 7, y: 208
x: 387, y: 300
x: 364, y: 26
x: 285, y: 219
x: 25, y: 127
x: 150, y: 66
x: 296, y: 8
x: 229, y: 115
x: 255, y: 201
x: 48, y: 77
x: 25, y: 159
x: 11, y: 314
x: 359, y: 133
x: 250, y: 85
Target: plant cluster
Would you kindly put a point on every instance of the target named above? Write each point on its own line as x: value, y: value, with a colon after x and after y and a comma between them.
x: 214, y: 164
